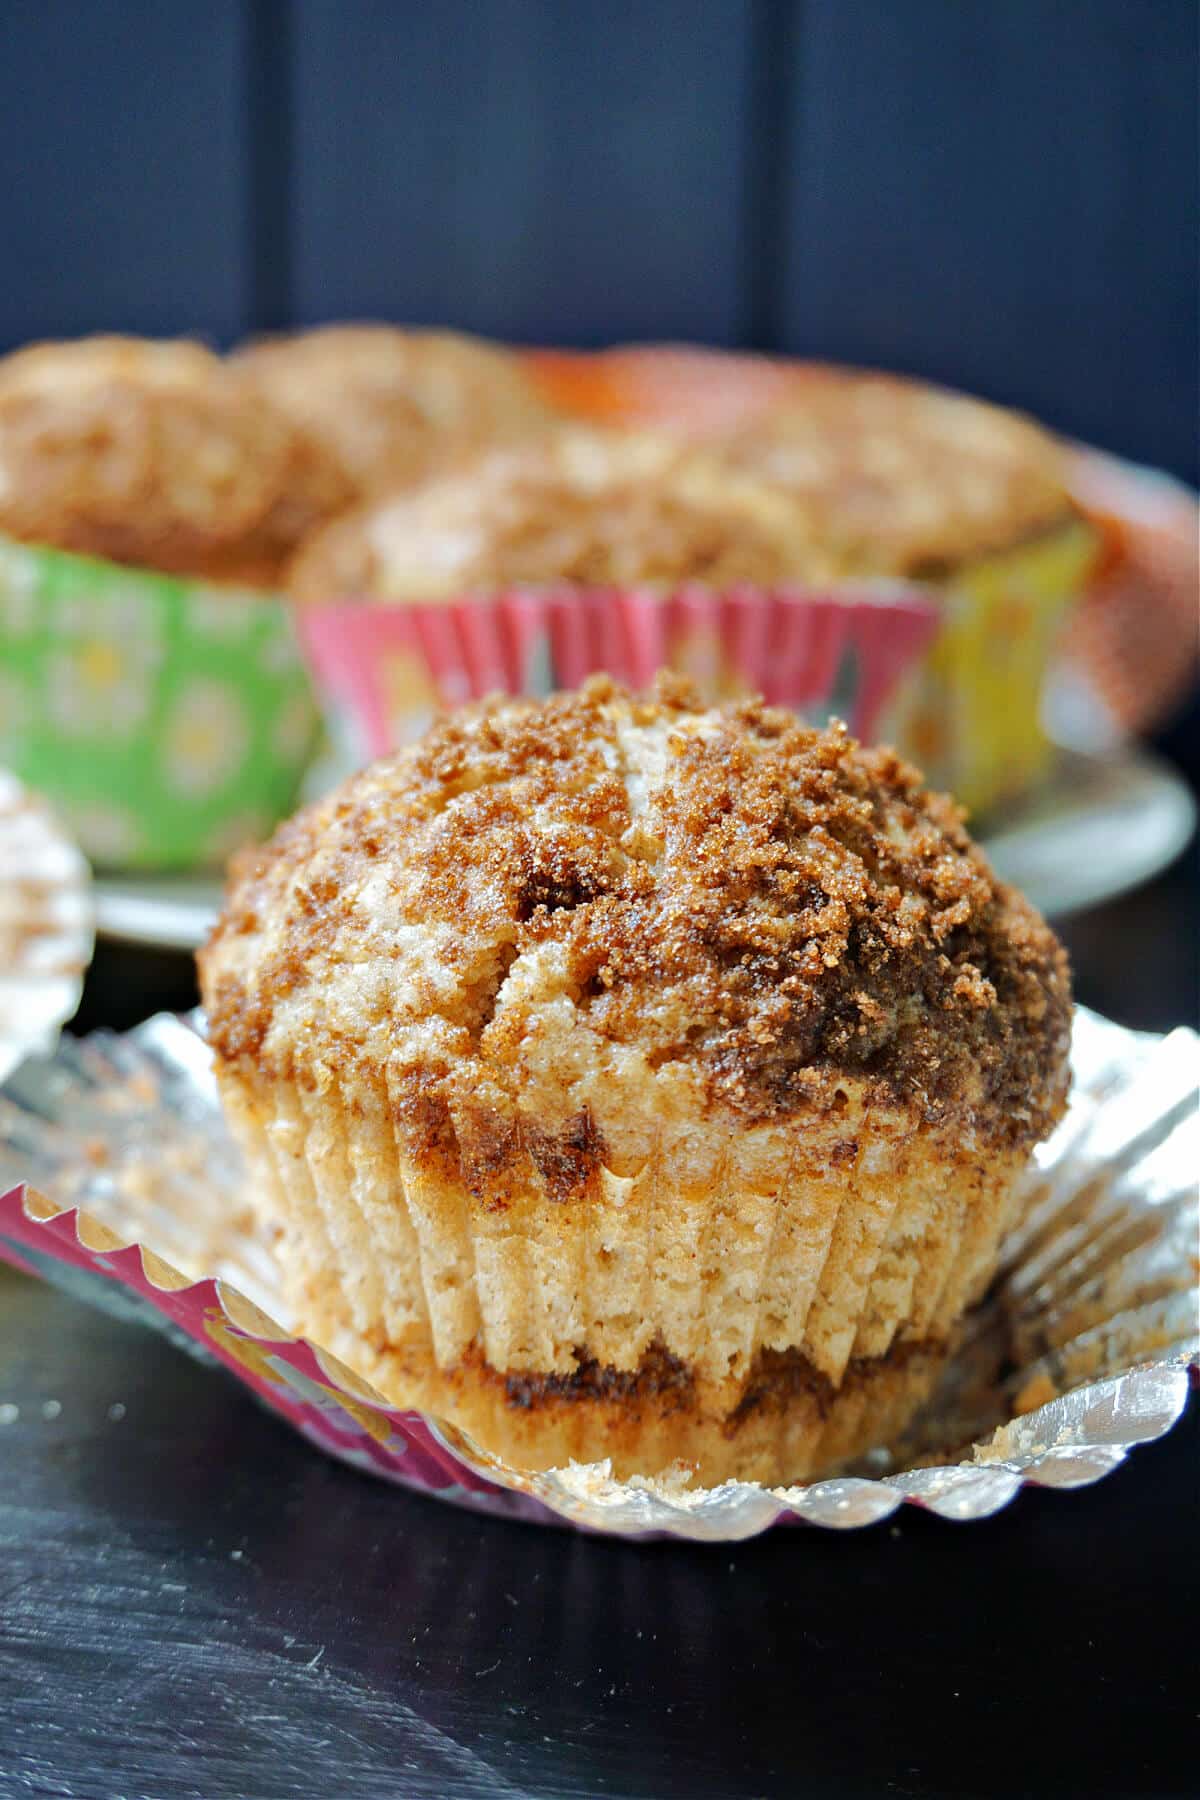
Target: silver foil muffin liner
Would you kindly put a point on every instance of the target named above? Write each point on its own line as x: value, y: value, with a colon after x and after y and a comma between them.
x: 46, y: 923
x: 126, y: 1189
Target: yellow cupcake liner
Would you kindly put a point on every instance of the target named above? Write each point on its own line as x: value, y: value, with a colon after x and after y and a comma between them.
x: 969, y: 712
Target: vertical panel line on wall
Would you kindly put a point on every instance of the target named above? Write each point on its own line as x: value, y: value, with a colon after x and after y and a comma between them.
x: 776, y: 29
x: 269, y: 154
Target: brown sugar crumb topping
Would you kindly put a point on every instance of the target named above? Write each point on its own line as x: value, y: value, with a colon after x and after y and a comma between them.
x: 769, y: 906
x: 154, y: 454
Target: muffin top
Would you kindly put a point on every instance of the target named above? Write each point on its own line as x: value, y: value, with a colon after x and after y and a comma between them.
x: 602, y: 909
x: 154, y: 454
x: 588, y: 507
x: 902, y: 479
x: 391, y: 406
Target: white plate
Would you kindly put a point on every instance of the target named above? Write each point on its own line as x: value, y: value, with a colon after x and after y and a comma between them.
x: 1103, y: 825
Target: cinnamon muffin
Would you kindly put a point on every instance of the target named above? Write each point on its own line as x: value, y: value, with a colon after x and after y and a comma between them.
x: 636, y: 1081
x: 154, y: 455
x: 901, y: 479
x: 391, y: 406
x: 580, y: 506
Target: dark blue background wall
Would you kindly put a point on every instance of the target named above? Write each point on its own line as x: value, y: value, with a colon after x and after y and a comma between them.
x: 1003, y: 196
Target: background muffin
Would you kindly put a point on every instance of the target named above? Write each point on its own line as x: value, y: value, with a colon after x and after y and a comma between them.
x: 154, y: 455
x: 631, y: 1080
x: 391, y: 406
x: 899, y: 482
x: 582, y: 507
x: 905, y: 479
x: 150, y: 683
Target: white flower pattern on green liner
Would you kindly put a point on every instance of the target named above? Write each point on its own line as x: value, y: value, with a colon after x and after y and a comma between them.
x: 292, y: 732
x: 206, y: 738
x: 115, y: 614
x: 190, y: 703
x: 100, y: 684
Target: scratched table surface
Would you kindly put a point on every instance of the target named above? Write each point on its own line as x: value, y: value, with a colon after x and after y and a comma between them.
x: 195, y: 1603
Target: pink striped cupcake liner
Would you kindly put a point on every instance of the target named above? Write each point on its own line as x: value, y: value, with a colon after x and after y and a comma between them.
x: 383, y: 669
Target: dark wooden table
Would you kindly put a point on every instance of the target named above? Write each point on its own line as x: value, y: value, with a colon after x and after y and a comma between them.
x: 194, y: 1603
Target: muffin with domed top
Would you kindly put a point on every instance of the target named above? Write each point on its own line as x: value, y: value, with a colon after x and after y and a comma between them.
x: 391, y: 407
x: 156, y: 455
x: 906, y: 480
x: 636, y: 1081
x: 575, y: 507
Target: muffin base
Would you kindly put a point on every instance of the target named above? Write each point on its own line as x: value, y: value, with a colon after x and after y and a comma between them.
x: 750, y: 1332
x: 790, y: 1424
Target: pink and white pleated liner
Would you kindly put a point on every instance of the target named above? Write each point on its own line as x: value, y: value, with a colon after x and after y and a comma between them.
x: 798, y: 648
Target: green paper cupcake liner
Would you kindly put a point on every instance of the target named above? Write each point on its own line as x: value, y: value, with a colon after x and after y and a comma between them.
x: 168, y: 720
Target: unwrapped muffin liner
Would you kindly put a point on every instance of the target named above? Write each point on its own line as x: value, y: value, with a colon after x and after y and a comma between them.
x: 127, y: 1190
x: 46, y: 924
x: 168, y: 721
x: 384, y: 670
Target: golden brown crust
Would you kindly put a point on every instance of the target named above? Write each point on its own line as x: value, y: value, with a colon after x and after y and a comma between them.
x: 765, y: 909
x: 392, y: 406
x: 586, y: 507
x: 899, y: 478
x: 154, y: 454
